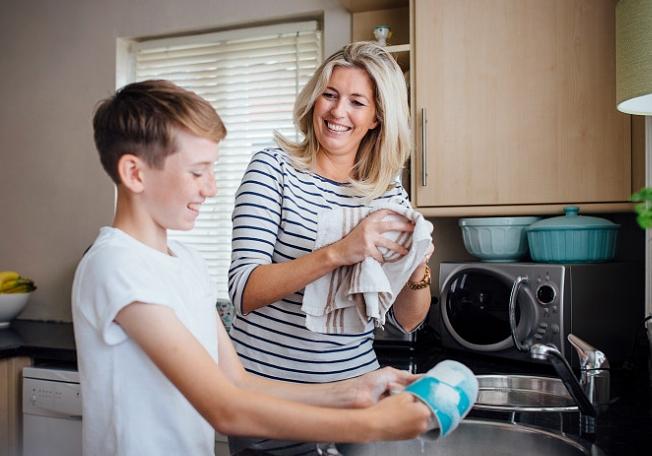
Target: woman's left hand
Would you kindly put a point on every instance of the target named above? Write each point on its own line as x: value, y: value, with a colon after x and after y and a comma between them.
x: 418, y: 272
x: 429, y: 252
x: 370, y: 388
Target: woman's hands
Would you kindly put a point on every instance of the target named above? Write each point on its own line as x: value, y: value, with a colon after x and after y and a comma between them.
x: 417, y: 275
x: 368, y: 237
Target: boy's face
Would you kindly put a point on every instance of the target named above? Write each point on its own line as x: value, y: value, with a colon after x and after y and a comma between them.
x: 174, y: 193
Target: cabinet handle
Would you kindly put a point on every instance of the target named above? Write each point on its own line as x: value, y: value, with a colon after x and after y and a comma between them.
x: 424, y: 148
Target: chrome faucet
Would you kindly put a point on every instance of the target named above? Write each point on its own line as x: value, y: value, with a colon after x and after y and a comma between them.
x: 591, y: 392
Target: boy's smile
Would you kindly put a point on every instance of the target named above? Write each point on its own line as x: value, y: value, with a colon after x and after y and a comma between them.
x: 173, y: 195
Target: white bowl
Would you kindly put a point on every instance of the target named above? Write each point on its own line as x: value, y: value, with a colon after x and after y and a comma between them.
x: 11, y: 304
x: 496, y: 239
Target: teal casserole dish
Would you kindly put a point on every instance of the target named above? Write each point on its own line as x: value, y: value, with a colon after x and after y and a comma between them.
x: 572, y: 238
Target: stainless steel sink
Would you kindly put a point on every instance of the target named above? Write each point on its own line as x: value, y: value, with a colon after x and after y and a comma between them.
x: 523, y: 393
x: 480, y: 437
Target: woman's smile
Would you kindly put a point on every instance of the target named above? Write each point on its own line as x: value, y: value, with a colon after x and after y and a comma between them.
x: 345, y: 112
x: 334, y: 127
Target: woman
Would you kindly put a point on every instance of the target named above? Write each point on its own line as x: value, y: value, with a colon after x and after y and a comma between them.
x: 354, y: 116
x: 355, y: 119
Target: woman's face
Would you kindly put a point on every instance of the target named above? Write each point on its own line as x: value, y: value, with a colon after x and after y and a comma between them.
x: 345, y: 111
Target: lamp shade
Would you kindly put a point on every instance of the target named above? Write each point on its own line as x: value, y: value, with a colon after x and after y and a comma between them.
x: 634, y: 56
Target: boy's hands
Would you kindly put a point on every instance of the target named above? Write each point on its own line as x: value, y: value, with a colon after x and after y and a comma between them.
x: 238, y: 410
x: 395, y: 417
x: 370, y: 388
x: 399, y: 417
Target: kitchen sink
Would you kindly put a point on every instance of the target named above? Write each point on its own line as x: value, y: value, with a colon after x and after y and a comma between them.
x: 480, y: 437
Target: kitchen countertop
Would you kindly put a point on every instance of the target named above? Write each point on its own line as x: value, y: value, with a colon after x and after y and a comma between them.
x: 45, y: 342
x: 624, y: 429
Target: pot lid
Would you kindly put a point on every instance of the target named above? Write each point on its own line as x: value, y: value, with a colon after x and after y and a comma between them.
x: 571, y: 220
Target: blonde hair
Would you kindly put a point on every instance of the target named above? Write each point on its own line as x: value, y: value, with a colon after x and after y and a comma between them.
x: 384, y: 149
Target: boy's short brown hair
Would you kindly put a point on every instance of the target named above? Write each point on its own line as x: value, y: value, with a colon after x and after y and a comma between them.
x: 141, y: 119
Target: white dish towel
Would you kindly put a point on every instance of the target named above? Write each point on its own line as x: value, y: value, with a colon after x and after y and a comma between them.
x: 346, y: 299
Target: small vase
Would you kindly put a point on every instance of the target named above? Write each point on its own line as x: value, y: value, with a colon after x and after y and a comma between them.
x: 382, y: 33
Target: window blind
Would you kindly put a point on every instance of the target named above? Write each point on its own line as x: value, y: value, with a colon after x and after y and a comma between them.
x: 251, y: 76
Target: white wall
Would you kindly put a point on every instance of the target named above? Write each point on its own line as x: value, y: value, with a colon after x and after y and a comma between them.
x: 58, y: 60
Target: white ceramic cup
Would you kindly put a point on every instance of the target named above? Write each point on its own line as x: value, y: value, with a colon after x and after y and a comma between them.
x: 449, y: 389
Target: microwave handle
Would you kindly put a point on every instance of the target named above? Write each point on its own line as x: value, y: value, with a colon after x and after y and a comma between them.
x: 512, y: 311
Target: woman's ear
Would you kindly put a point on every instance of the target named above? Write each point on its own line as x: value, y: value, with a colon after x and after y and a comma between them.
x: 130, y: 170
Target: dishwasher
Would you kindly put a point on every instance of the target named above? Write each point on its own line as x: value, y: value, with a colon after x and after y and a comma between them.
x: 52, y: 412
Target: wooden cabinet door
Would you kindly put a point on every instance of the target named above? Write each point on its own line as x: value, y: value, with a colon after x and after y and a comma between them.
x: 519, y: 97
x: 11, y: 418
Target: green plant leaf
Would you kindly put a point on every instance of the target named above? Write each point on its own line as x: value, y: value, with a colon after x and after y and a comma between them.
x: 644, y: 194
x: 644, y: 208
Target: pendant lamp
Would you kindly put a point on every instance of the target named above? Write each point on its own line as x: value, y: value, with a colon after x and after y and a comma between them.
x: 634, y: 56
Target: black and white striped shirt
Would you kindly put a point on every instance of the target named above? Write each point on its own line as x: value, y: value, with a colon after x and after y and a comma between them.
x: 274, y: 221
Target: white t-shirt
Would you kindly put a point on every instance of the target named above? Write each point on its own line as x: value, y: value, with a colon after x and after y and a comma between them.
x: 129, y: 406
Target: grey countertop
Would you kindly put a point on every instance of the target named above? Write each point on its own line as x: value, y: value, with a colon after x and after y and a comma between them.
x: 40, y: 340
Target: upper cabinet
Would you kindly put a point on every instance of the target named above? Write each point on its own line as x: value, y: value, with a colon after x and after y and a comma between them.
x: 514, y: 108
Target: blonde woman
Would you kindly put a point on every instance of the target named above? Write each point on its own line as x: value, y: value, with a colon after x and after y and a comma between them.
x: 353, y: 114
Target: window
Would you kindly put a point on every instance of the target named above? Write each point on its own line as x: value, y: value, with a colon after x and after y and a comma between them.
x: 251, y: 77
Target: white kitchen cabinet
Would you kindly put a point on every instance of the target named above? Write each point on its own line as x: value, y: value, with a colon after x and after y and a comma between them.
x: 514, y: 108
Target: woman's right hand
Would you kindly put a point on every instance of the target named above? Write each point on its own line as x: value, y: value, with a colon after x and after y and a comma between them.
x: 400, y: 417
x: 368, y: 236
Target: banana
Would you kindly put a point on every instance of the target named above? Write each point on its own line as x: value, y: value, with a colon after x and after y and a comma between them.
x: 7, y: 284
x: 24, y: 288
x: 8, y: 275
x: 17, y: 285
x: 11, y: 283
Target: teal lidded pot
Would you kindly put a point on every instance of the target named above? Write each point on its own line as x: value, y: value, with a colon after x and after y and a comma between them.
x: 572, y: 238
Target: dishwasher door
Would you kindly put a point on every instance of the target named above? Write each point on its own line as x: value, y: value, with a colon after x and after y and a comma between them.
x: 52, y: 412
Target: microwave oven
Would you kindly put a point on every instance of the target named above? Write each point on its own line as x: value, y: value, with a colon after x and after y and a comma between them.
x: 602, y: 303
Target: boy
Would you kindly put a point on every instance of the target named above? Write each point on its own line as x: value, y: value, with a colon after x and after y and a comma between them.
x: 158, y: 371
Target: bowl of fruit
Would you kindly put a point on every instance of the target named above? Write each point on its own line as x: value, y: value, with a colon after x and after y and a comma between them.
x: 15, y: 291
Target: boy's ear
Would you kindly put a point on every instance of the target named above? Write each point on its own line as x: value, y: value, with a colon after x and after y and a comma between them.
x: 130, y: 170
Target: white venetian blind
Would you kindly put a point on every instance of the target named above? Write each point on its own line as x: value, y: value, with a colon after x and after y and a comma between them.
x: 251, y: 76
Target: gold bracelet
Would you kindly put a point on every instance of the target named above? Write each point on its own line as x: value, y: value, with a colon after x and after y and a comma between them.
x: 423, y: 283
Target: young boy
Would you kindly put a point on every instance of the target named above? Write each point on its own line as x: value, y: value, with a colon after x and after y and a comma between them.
x: 158, y: 371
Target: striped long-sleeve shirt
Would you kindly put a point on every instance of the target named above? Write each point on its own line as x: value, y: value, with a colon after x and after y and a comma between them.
x: 275, y: 221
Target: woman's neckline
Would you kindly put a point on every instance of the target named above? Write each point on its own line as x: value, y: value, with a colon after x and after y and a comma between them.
x: 327, y: 179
